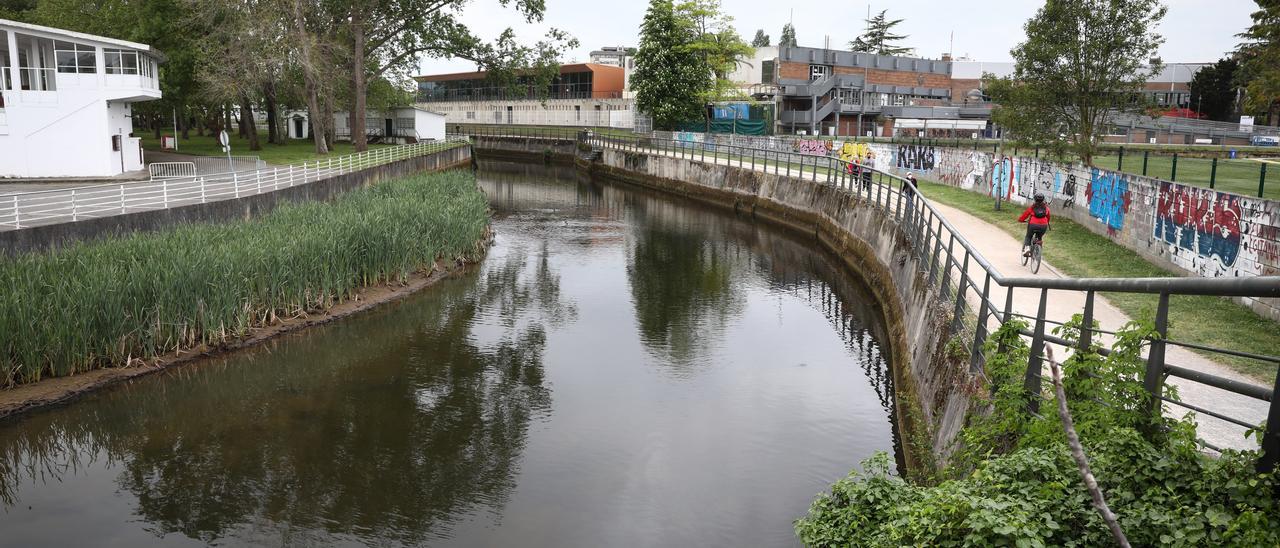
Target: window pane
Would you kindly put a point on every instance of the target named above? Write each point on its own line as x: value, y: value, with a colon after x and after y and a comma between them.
x: 86, y: 63
x: 66, y: 61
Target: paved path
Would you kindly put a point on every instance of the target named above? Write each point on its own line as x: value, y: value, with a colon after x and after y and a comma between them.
x: 1004, y: 253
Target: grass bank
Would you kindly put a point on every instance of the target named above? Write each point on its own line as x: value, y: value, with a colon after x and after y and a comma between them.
x: 294, y: 150
x: 1080, y: 253
x: 107, y: 303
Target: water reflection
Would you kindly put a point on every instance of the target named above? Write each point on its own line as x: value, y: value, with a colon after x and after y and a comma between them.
x: 388, y: 430
x: 623, y: 369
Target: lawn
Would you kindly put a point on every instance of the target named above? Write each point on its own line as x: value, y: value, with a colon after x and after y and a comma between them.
x: 1080, y: 253
x: 1239, y: 176
x: 294, y: 150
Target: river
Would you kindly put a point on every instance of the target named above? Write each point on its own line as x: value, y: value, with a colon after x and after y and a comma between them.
x: 623, y: 369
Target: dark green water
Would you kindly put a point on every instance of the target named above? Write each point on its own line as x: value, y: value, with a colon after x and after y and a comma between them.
x: 622, y: 370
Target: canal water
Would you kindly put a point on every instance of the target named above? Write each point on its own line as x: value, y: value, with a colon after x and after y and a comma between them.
x: 621, y: 370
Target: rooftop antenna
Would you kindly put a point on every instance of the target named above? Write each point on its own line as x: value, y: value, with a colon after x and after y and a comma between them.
x: 951, y: 49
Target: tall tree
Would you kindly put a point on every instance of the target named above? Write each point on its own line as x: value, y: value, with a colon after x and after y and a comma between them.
x: 1213, y: 90
x: 388, y: 37
x: 761, y: 40
x: 788, y: 38
x: 1260, y: 61
x: 879, y: 37
x: 1082, y: 62
x: 669, y: 80
x: 719, y: 47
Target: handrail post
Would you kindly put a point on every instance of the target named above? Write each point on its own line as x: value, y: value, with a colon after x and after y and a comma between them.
x: 121, y: 199
x: 980, y: 330
x: 1153, y: 379
x: 74, y: 213
x: 1035, y: 363
x: 1271, y: 438
x: 17, y: 213
x: 957, y: 318
x: 946, y: 268
x: 1004, y: 319
x: 202, y: 191
x: 1086, y: 326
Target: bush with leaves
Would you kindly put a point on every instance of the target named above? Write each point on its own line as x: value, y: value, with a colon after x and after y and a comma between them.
x: 1014, y: 482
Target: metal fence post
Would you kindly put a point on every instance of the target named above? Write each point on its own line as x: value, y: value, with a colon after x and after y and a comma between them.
x: 202, y: 192
x: 1262, y: 178
x: 74, y: 213
x: 1086, y: 326
x: 15, y: 199
x: 1213, y: 171
x: 957, y: 318
x: 1120, y: 162
x: 980, y: 330
x: 1035, y: 363
x: 1153, y: 379
x: 946, y: 268
x: 1173, y: 173
x: 17, y: 214
x: 1146, y: 155
x: 1271, y: 438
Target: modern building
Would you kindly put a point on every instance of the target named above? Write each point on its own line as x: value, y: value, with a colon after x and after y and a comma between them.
x: 617, y: 56
x: 402, y: 125
x: 584, y: 94
x: 65, y: 101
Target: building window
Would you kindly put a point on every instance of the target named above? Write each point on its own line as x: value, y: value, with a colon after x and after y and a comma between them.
x: 471, y: 115
x: 118, y: 61
x: 75, y: 58
x: 898, y: 100
x: 766, y: 71
x: 850, y: 97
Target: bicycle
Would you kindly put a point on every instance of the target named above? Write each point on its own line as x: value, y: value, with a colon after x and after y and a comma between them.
x: 1037, y: 245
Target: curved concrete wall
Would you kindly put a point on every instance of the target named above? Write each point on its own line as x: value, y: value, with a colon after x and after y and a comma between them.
x: 931, y: 391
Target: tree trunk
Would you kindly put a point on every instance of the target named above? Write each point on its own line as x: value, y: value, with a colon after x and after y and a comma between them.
x: 226, y: 116
x: 273, y: 122
x: 155, y: 124
x: 358, y: 137
x: 184, y: 124
x: 330, y: 132
x: 246, y: 121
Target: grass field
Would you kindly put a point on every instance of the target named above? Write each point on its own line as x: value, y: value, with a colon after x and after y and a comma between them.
x: 1239, y: 176
x: 294, y: 150
x: 1080, y: 253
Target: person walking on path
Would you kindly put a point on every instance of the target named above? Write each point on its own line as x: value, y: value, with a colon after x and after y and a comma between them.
x: 1037, y: 218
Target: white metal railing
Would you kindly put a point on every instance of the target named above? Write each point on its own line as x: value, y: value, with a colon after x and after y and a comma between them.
x: 28, y: 209
x: 171, y: 170
x: 223, y: 164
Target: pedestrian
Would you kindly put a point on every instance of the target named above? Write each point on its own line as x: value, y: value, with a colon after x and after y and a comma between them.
x: 909, y: 195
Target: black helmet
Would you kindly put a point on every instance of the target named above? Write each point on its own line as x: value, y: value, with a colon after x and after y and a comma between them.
x: 1039, y: 197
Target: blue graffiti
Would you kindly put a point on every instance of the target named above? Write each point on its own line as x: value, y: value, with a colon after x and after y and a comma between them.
x: 1109, y: 198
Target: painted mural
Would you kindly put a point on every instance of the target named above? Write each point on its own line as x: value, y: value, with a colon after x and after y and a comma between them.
x: 1109, y: 200
x: 1201, y: 226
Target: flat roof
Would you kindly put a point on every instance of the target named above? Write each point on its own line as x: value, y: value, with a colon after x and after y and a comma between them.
x: 564, y: 69
x: 81, y: 36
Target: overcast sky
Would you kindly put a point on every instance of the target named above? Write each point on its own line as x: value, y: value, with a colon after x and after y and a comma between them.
x: 1194, y: 30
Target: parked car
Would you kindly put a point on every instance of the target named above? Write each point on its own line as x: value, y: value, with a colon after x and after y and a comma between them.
x: 1264, y: 141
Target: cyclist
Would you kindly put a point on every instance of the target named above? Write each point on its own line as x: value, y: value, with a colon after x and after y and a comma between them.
x: 1037, y: 218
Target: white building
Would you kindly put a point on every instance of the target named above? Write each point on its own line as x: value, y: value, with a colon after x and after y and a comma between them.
x: 65, y: 101
x: 617, y: 112
x: 401, y: 125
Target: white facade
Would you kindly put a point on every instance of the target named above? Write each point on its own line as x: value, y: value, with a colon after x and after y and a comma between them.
x: 619, y: 113
x: 399, y: 125
x: 65, y: 101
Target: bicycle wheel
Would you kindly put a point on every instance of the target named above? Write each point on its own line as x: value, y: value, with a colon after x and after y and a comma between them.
x: 1025, y: 258
x: 1035, y: 259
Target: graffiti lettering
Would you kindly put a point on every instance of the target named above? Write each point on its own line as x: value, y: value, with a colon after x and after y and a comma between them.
x: 1108, y: 196
x: 1199, y: 220
x: 915, y: 157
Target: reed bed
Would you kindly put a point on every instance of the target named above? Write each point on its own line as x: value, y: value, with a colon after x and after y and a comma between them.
x: 107, y: 303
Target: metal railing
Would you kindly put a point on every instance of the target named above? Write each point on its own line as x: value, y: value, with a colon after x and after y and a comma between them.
x: 171, y: 170
x: 944, y: 256
x: 29, y: 209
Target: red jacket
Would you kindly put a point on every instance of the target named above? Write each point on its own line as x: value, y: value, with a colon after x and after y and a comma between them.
x: 1029, y: 216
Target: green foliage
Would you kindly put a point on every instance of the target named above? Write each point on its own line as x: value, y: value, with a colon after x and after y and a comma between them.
x: 879, y: 37
x: 670, y: 82
x: 788, y: 36
x: 761, y: 40
x: 1260, y: 65
x: 1015, y: 484
x: 1213, y: 90
x: 1082, y: 61
x: 106, y: 303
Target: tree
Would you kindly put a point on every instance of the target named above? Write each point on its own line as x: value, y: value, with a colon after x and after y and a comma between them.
x: 719, y: 47
x: 788, y: 38
x: 879, y: 37
x: 1213, y: 90
x: 1082, y: 62
x: 1260, y: 62
x: 761, y: 40
x: 389, y: 36
x: 669, y: 80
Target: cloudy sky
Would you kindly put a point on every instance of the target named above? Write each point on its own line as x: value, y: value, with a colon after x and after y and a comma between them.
x: 1195, y: 30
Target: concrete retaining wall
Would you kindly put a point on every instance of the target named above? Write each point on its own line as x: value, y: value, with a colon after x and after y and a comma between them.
x: 50, y: 236
x: 932, y: 397
x: 526, y: 149
x: 1187, y: 230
